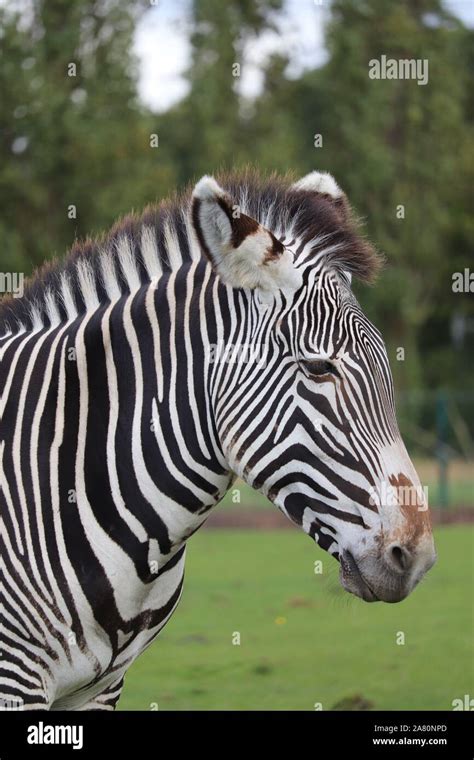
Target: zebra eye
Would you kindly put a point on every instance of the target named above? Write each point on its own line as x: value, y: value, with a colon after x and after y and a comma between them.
x: 320, y: 367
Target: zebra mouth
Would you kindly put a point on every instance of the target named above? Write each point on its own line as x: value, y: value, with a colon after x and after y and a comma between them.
x: 352, y: 579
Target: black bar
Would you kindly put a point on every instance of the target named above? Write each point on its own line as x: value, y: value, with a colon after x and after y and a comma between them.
x: 150, y: 734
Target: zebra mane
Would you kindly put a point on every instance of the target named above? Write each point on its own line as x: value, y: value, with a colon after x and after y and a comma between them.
x: 141, y: 247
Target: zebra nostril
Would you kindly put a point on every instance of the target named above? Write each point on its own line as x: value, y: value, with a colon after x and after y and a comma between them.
x: 398, y: 558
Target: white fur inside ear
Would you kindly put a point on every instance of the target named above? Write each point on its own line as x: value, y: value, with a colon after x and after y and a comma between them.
x: 240, y: 267
x: 284, y: 275
x: 319, y: 182
x: 245, y: 266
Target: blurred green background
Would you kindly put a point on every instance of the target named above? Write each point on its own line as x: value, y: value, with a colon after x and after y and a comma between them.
x: 75, y: 133
x: 303, y: 640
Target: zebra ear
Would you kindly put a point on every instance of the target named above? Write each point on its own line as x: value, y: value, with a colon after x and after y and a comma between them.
x: 323, y: 183
x: 243, y: 253
x: 319, y: 182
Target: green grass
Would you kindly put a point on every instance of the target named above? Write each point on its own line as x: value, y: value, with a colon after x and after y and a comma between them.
x: 303, y: 639
x: 241, y: 496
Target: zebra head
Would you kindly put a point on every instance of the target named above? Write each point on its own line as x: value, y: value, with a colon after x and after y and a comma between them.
x: 308, y: 418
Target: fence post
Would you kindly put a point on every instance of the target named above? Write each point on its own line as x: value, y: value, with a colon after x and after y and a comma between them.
x: 442, y: 449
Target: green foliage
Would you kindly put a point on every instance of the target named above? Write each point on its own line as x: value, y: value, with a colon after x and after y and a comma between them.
x: 85, y: 141
x: 88, y: 140
x: 392, y: 144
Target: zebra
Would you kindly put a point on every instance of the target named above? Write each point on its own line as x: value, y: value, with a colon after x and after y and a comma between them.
x: 125, y: 419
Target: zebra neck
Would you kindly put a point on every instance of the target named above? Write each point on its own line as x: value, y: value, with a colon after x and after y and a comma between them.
x: 149, y: 412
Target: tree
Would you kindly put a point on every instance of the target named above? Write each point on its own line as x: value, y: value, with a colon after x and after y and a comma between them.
x: 403, y: 153
x: 207, y: 130
x: 75, y: 149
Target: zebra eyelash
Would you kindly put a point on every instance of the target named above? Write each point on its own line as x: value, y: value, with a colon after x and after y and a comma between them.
x: 320, y: 367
